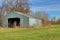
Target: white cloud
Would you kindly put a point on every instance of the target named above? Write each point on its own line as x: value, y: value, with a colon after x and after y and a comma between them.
x: 38, y: 0
x: 46, y: 8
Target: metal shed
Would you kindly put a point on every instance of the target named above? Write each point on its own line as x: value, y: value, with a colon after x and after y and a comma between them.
x: 20, y: 19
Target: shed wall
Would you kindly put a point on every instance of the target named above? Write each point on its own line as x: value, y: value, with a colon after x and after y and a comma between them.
x: 35, y: 22
x: 23, y: 19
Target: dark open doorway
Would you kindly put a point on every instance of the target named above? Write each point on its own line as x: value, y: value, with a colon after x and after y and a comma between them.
x: 11, y: 22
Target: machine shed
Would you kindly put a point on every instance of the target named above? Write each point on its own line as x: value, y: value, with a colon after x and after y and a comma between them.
x: 20, y: 19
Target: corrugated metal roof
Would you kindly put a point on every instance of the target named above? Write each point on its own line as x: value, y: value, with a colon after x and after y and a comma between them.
x: 24, y: 15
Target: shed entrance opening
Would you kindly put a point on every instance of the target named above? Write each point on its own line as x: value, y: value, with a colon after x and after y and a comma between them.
x: 13, y: 22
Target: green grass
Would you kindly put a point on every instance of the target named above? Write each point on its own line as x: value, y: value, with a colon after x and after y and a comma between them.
x: 48, y: 33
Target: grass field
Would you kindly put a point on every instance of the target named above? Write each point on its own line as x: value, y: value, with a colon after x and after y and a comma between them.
x: 48, y: 33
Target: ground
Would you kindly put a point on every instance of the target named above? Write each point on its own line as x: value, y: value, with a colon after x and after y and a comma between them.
x: 47, y: 33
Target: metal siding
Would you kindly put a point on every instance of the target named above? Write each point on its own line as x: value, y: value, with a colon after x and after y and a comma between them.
x: 32, y: 21
x: 26, y: 21
x: 38, y: 22
x: 23, y: 19
x: 35, y: 22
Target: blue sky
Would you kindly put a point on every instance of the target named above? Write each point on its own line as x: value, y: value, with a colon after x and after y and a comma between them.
x: 52, y: 7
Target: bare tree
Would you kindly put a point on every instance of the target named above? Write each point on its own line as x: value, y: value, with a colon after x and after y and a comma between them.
x: 43, y: 16
x: 1, y: 16
x: 16, y: 5
x: 58, y: 21
x: 23, y: 6
x: 40, y: 14
x: 53, y: 19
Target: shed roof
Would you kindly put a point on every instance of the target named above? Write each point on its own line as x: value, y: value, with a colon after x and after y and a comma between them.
x: 27, y: 15
x: 23, y: 15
